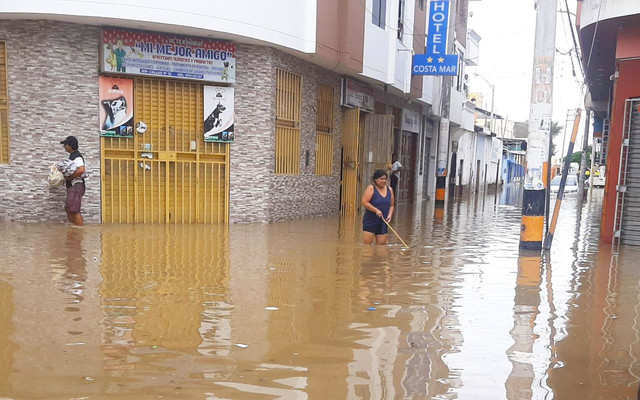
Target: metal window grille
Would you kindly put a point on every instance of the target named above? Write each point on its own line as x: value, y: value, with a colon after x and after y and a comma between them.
x: 288, y: 116
x: 4, y: 106
x: 324, y: 130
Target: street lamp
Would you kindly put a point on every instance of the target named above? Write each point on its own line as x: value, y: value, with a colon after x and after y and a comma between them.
x: 493, y: 96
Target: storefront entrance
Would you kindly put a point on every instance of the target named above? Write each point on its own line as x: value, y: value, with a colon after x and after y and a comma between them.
x: 408, y: 154
x: 366, y: 146
x: 167, y: 174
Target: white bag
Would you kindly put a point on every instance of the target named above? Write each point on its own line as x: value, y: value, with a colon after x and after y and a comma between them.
x: 67, y: 167
x: 55, y: 177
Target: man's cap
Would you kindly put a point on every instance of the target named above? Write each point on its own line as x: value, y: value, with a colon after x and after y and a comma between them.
x: 71, y: 141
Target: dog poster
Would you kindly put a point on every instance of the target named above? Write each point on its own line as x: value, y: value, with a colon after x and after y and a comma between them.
x: 116, y: 107
x: 219, y: 114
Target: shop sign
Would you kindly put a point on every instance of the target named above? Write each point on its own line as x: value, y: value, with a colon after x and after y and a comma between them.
x: 410, y: 121
x: 219, y: 114
x: 161, y: 55
x: 116, y: 106
x: 435, y: 61
x: 605, y: 143
x: 355, y: 94
x: 496, y: 149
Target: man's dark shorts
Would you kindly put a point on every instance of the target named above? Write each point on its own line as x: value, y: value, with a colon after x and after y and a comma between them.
x: 74, y: 198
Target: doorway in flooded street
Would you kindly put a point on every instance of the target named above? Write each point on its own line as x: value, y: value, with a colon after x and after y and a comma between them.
x: 303, y: 310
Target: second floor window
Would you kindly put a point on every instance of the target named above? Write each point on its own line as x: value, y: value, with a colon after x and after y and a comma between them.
x: 401, y: 19
x: 379, y: 13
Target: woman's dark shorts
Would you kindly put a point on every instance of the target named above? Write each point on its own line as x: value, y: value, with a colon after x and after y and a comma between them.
x: 377, y: 228
x: 74, y: 198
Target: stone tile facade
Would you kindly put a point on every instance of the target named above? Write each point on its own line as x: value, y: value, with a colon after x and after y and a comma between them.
x: 257, y: 194
x: 251, y: 168
x: 53, y: 93
x: 308, y: 194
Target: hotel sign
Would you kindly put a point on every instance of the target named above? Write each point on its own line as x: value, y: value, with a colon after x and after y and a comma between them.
x: 436, y: 61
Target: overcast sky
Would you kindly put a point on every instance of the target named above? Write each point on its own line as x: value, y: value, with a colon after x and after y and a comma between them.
x: 507, y: 28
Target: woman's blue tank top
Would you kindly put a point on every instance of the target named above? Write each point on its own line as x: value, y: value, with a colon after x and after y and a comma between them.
x: 381, y: 203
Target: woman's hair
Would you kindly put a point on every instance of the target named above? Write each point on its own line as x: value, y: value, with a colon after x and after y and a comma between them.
x: 379, y: 174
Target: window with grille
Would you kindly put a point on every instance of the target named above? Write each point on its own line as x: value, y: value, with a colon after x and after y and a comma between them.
x: 288, y: 115
x: 4, y: 106
x: 324, y: 130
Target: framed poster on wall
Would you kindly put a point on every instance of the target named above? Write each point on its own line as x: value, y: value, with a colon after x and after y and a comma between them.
x: 219, y: 114
x: 116, y: 106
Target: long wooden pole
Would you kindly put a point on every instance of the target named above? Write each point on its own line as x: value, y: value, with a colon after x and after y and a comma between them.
x: 396, y: 233
x: 565, y: 172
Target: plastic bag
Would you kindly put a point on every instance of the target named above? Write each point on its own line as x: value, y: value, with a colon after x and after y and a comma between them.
x: 67, y: 167
x: 55, y: 177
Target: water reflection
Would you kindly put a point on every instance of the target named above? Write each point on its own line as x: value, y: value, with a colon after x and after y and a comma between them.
x: 303, y: 310
x: 7, y: 346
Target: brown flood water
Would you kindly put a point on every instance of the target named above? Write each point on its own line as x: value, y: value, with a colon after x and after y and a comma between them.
x: 147, y: 312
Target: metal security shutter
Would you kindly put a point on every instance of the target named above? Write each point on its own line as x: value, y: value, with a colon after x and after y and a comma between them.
x: 630, y: 215
x: 185, y: 181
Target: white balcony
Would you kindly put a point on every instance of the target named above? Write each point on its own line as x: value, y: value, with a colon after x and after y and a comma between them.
x: 286, y: 23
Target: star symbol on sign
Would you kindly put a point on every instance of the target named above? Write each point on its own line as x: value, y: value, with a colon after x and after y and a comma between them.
x: 429, y: 60
x: 441, y: 60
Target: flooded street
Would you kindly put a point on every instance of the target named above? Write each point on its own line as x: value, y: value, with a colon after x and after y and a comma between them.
x: 301, y: 310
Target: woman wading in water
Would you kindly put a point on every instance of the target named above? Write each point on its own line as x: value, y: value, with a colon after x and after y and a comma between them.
x: 378, y: 199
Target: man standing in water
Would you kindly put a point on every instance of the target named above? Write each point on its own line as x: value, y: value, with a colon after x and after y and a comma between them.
x: 396, y: 167
x: 75, y: 182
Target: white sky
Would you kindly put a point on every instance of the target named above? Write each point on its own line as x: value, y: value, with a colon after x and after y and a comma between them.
x: 507, y: 28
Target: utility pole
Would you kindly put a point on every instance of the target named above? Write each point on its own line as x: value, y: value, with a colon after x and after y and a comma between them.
x: 570, y: 115
x: 442, y: 160
x: 536, y: 184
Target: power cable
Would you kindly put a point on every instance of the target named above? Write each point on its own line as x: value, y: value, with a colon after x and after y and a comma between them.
x: 575, y: 42
x: 595, y: 33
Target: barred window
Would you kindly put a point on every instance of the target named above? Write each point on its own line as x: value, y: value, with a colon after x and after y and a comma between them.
x: 324, y: 130
x: 288, y: 116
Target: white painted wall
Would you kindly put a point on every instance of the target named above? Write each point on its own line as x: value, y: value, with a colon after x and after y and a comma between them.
x: 402, y: 74
x: 432, y: 93
x: 466, y: 152
x: 610, y: 9
x: 287, y: 23
x: 456, y: 105
x: 468, y: 115
x: 483, y: 153
x: 378, y: 44
x: 382, y: 59
x: 473, y: 49
x: 404, y: 49
x: 471, y: 148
